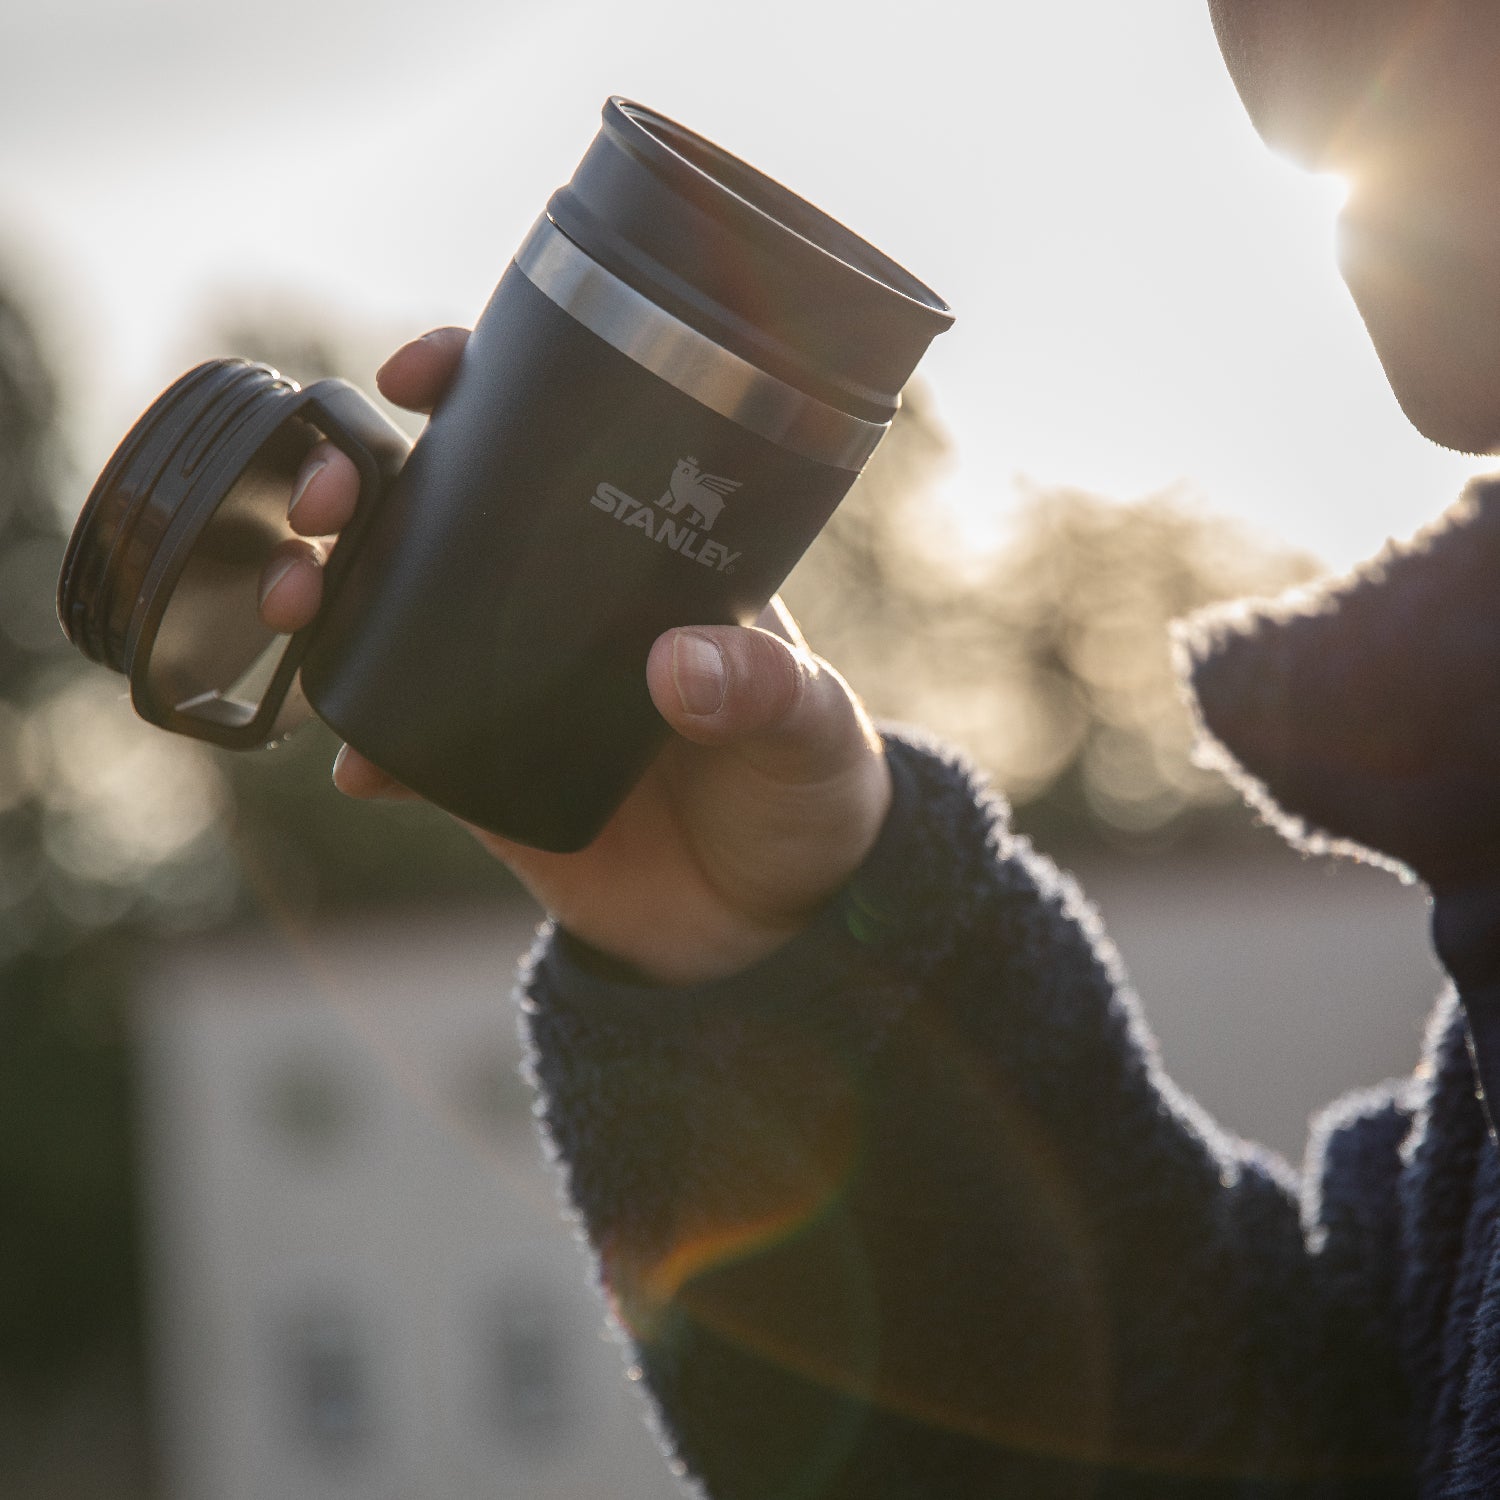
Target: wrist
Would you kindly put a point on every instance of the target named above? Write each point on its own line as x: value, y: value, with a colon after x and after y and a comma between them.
x: 725, y: 944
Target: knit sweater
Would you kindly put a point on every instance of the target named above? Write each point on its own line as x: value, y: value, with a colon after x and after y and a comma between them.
x: 910, y: 1209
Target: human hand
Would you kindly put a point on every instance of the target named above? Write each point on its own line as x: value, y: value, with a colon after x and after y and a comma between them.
x: 770, y: 793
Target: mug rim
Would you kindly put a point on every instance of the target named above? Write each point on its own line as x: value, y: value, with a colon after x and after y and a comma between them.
x: 674, y: 151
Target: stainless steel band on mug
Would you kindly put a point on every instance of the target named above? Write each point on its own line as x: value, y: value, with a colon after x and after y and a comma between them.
x: 691, y: 361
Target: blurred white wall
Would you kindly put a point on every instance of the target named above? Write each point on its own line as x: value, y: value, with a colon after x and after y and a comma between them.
x: 1273, y: 983
x: 362, y: 1282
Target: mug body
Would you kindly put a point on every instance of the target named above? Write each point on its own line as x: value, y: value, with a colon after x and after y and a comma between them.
x: 486, y: 645
x: 677, y: 379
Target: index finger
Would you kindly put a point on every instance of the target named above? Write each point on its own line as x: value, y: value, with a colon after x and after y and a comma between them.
x: 418, y: 373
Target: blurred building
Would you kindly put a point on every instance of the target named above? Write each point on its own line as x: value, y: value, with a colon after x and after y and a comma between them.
x: 363, y: 1282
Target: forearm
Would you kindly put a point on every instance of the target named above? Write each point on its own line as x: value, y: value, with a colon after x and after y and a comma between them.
x: 913, y: 1193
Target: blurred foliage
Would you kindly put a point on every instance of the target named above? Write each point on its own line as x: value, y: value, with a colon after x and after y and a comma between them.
x: 68, y: 1267
x: 112, y: 833
x: 1049, y: 658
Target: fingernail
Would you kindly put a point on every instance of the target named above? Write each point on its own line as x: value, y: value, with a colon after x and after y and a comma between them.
x: 698, y: 671
x: 302, y: 485
x: 275, y: 577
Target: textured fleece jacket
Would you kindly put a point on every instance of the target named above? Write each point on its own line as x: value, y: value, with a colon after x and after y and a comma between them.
x: 910, y: 1210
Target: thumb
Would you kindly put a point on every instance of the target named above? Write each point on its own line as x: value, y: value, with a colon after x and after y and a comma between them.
x: 783, y: 710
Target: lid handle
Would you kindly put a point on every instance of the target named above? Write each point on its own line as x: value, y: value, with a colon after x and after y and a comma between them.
x: 378, y: 448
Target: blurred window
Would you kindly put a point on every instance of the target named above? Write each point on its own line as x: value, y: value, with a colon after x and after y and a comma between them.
x: 533, y: 1373
x: 326, y: 1372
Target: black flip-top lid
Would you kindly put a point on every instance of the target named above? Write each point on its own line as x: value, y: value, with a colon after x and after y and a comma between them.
x: 161, y: 576
x: 746, y: 261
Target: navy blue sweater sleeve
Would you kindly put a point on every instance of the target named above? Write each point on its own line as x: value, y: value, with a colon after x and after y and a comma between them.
x: 910, y: 1210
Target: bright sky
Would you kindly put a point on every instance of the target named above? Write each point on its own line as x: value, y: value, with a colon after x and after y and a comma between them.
x: 1144, y: 295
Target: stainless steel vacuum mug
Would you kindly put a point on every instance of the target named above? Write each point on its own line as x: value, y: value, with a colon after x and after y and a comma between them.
x: 677, y: 379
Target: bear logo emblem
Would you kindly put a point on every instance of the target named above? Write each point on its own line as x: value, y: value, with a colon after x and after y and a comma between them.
x: 701, y: 494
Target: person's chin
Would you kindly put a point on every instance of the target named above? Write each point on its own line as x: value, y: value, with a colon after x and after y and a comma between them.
x: 1430, y: 298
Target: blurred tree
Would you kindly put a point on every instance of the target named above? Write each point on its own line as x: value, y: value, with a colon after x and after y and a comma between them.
x: 102, y: 822
x: 68, y: 1271
x: 30, y: 471
x: 1050, y: 659
x: 110, y: 832
x: 1089, y: 729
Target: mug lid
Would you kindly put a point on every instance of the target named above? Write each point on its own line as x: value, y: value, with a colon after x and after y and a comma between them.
x: 161, y: 577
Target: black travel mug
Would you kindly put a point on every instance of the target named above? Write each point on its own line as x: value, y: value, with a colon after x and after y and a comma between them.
x: 675, y: 382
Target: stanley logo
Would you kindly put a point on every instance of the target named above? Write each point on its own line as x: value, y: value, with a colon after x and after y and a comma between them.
x: 701, y: 495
